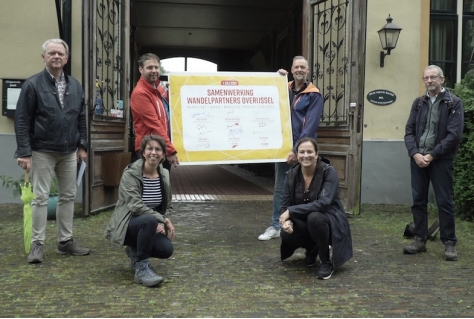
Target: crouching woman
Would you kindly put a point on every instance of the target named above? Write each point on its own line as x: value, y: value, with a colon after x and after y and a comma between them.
x: 139, y: 220
x: 311, y: 214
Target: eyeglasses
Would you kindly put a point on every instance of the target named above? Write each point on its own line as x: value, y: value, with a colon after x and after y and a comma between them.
x: 430, y: 78
x: 151, y: 149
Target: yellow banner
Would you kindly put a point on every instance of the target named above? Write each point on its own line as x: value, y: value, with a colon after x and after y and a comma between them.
x: 230, y: 117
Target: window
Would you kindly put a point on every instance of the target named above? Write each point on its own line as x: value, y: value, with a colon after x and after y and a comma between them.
x: 446, y: 46
x: 443, y: 35
x: 468, y: 37
x: 187, y: 65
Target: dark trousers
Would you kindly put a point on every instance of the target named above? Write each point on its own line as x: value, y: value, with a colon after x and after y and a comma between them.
x: 141, y: 233
x: 440, y: 173
x: 313, y: 232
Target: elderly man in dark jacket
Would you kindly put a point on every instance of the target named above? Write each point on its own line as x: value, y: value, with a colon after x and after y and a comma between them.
x: 432, y: 137
x: 51, y: 136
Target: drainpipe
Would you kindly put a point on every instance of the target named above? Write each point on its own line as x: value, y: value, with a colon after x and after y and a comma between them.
x: 66, y: 31
x: 58, y: 15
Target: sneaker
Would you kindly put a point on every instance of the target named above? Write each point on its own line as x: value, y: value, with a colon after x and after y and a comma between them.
x: 36, y: 253
x: 269, y: 233
x: 417, y: 246
x: 450, y: 253
x: 325, y: 271
x: 433, y: 231
x: 132, y: 254
x: 73, y: 248
x: 310, y: 259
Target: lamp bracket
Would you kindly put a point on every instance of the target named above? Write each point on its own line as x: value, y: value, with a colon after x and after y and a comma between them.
x: 382, y: 57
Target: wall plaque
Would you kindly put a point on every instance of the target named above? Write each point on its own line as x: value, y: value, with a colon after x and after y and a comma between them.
x: 11, y: 92
x: 381, y: 97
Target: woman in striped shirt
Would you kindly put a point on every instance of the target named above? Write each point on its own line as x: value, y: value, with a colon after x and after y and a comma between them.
x: 139, y: 220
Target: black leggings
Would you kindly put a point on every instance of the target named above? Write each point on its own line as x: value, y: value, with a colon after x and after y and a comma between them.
x: 314, y: 232
x: 141, y: 233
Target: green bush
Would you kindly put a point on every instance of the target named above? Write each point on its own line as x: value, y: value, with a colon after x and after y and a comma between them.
x: 463, y: 164
x: 14, y: 185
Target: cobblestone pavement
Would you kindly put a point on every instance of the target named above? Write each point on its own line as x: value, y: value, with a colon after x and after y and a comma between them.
x: 220, y: 269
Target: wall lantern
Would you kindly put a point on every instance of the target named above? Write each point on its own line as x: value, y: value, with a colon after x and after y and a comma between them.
x: 388, y: 37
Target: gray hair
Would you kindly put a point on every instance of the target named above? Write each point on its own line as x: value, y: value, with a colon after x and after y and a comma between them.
x: 300, y: 57
x: 437, y: 68
x: 56, y: 41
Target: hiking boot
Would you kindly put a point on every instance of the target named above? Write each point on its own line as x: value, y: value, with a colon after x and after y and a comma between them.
x: 132, y: 254
x: 36, y: 253
x: 73, y: 248
x: 450, y: 253
x: 325, y: 271
x: 417, y: 246
x: 310, y: 258
x: 433, y: 231
x: 270, y: 232
x: 145, y: 276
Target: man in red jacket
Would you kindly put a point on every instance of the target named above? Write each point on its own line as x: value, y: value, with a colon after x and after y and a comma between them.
x: 149, y: 105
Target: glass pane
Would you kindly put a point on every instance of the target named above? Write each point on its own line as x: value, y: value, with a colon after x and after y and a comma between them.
x: 442, y: 39
x: 468, y: 40
x: 468, y: 6
x: 198, y: 65
x: 467, y: 45
x: 443, y: 5
x: 173, y: 65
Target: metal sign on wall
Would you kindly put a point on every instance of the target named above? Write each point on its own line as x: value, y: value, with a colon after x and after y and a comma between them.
x: 11, y: 91
x: 381, y: 97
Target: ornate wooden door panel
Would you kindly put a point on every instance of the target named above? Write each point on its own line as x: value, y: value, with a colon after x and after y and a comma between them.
x: 107, y: 76
x: 336, y: 54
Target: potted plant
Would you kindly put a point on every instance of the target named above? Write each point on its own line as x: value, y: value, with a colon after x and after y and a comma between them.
x: 53, y: 199
x: 14, y: 185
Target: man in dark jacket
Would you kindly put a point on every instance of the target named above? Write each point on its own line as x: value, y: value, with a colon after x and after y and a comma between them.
x: 432, y: 136
x: 51, y: 136
x: 306, y: 107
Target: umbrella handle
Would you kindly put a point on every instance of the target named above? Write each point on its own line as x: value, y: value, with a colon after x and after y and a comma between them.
x: 27, y: 178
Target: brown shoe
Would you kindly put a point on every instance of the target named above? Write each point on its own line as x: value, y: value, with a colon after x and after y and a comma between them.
x: 417, y: 246
x: 450, y: 253
x: 73, y: 248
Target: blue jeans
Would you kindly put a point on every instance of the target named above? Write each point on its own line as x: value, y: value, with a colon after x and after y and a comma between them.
x: 440, y: 173
x: 280, y: 173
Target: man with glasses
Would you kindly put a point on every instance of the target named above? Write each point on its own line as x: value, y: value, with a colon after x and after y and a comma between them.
x: 51, y: 137
x: 432, y: 137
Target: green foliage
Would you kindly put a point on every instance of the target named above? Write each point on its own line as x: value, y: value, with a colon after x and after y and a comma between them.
x: 463, y: 168
x: 14, y: 185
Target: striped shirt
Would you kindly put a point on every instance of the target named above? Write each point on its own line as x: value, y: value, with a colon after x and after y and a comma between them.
x: 152, y: 196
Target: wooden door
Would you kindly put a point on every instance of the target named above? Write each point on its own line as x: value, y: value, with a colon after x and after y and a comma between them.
x: 334, y: 39
x: 106, y: 77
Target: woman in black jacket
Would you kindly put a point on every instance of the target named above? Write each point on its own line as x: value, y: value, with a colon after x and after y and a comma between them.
x: 311, y: 215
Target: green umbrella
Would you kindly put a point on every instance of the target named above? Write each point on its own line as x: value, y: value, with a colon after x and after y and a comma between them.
x: 27, y: 197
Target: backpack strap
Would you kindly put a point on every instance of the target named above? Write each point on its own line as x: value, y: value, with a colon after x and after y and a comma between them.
x: 419, y: 102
